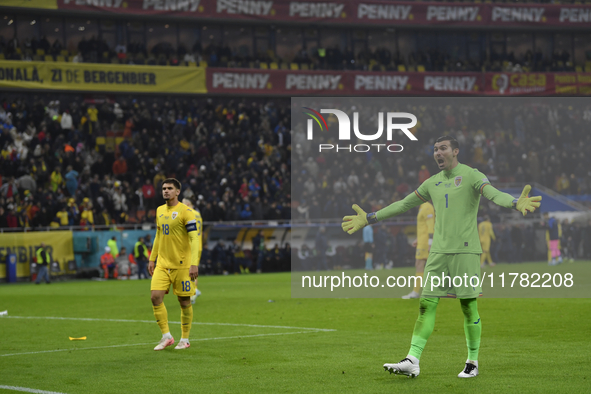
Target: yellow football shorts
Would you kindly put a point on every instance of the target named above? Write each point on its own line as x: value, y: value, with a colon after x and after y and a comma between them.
x: 182, y: 285
x: 422, y: 252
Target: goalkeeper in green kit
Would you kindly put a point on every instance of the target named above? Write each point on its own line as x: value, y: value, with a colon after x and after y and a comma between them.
x: 455, y: 192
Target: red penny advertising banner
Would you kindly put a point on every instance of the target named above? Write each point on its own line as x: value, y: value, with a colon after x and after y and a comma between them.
x: 339, y: 83
x: 354, y: 83
x: 350, y: 11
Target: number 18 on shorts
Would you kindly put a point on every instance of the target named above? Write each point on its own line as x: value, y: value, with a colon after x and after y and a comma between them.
x: 179, y: 279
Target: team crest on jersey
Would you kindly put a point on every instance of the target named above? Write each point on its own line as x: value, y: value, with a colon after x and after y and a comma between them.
x: 174, y: 215
x: 458, y: 181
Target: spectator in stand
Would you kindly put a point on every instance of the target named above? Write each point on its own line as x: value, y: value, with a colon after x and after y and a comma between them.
x: 63, y: 216
x: 27, y: 183
x: 9, y: 189
x: 66, y: 122
x: 149, y: 194
x: 119, y: 200
x: 87, y: 214
x: 11, y: 216
x: 71, y: 180
x: 56, y: 179
x: 246, y: 213
x: 120, y: 167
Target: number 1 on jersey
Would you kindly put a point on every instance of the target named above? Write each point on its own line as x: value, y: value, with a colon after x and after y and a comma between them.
x: 446, y: 201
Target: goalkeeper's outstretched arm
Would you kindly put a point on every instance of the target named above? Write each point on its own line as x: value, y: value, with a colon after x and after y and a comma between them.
x: 523, y: 204
x: 352, y: 224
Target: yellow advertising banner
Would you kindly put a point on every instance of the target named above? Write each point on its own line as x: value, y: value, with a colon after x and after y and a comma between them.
x: 25, y: 245
x: 47, y: 4
x: 92, y: 77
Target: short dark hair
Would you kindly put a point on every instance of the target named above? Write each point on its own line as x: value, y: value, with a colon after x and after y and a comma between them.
x: 452, y: 141
x: 173, y: 181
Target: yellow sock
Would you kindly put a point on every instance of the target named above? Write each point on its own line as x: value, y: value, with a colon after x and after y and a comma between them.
x: 417, y: 288
x: 186, y: 320
x: 161, y: 316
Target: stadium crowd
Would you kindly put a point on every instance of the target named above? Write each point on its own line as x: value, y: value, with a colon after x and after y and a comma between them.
x: 431, y: 58
x: 83, y: 163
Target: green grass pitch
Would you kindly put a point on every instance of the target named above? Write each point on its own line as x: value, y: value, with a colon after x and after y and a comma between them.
x: 241, y: 342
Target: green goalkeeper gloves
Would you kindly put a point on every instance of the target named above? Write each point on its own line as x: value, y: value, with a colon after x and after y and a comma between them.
x: 527, y: 204
x: 353, y: 223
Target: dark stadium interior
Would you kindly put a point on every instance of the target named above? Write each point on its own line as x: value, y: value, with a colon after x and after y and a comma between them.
x: 309, y: 47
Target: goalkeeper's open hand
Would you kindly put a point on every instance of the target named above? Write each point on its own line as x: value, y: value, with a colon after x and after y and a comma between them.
x: 353, y: 223
x: 527, y: 204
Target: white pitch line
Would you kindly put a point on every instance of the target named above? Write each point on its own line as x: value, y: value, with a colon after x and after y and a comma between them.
x: 170, y: 322
x: 28, y: 390
x: 151, y: 343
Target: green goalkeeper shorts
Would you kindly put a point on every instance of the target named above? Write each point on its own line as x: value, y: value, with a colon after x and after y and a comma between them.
x: 452, y: 275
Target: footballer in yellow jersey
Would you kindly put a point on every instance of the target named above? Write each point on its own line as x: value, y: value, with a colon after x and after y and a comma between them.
x: 425, y: 227
x: 486, y: 233
x: 174, y: 260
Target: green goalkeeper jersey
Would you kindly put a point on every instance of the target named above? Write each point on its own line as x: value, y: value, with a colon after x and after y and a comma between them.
x: 455, y: 196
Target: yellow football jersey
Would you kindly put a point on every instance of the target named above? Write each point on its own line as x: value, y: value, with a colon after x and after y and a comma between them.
x: 425, y: 224
x: 485, y: 231
x: 173, y: 225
